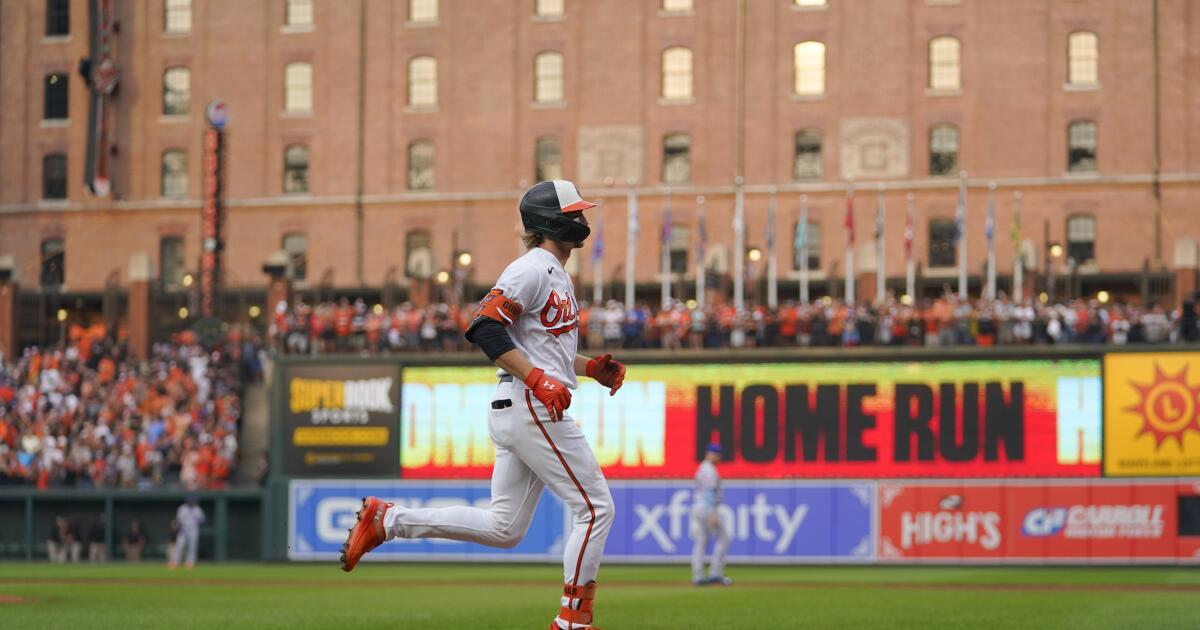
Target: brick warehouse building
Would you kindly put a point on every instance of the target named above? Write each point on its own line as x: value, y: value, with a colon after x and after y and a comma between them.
x: 371, y: 142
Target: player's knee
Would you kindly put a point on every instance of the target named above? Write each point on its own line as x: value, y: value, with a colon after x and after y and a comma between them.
x: 509, y: 535
x: 602, y: 505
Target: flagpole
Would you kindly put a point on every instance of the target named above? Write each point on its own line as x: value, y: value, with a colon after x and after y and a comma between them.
x: 631, y: 205
x: 910, y: 271
x: 991, y: 236
x: 802, y: 228
x: 1018, y: 252
x: 598, y: 262
x: 700, y: 269
x: 772, y: 269
x: 961, y: 212
x: 666, y: 250
x: 880, y: 247
x: 849, y: 242
x: 739, y: 244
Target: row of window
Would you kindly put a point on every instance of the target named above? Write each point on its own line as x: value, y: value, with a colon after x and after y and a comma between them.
x: 1081, y: 247
x: 177, y: 16
x: 548, y: 164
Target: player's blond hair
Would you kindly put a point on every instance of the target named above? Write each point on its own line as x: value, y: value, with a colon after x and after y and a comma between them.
x: 532, y: 239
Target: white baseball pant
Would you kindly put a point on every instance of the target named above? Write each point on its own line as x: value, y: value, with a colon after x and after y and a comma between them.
x: 702, y: 531
x: 186, y: 545
x: 531, y: 453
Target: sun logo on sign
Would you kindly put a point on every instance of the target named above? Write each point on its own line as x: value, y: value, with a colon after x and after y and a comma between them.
x: 1168, y: 406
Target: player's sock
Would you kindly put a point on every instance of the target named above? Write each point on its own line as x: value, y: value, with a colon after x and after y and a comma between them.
x: 390, y: 530
x: 582, y: 604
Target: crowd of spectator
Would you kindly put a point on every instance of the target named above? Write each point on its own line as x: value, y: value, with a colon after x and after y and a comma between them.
x: 87, y: 414
x: 946, y: 321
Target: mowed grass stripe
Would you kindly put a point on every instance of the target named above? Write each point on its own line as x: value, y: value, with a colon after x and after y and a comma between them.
x: 524, y: 596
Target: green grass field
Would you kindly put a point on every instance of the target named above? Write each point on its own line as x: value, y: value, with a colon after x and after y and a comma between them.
x: 507, y: 596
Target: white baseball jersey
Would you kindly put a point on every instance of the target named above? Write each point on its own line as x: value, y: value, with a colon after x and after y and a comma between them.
x: 547, y: 330
x: 707, y: 492
x: 190, y: 518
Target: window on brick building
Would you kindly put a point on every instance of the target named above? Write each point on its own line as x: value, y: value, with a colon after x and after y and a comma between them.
x: 422, y: 82
x: 177, y: 16
x: 295, y: 245
x: 943, y: 245
x: 297, y: 87
x: 677, y: 6
x: 58, y: 18
x: 295, y: 169
x: 943, y: 150
x: 548, y: 164
x: 170, y: 260
x: 422, y: 11
x: 53, y: 268
x: 177, y: 91
x: 677, y: 73
x: 420, y: 165
x: 677, y: 158
x: 1081, y: 239
x: 55, y: 101
x: 680, y: 243
x: 808, y: 61
x: 810, y: 238
x: 418, y: 255
x: 548, y: 77
x: 1083, y: 58
x: 174, y: 173
x: 298, y: 13
x: 806, y: 158
x: 549, y: 8
x: 54, y: 176
x: 1081, y: 146
x: 945, y: 68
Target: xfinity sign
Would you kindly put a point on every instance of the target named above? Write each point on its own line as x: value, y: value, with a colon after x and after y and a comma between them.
x: 767, y: 521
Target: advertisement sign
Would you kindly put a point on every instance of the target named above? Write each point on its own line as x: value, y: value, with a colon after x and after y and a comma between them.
x: 1152, y: 414
x: 320, y: 512
x: 1034, y: 521
x: 340, y: 419
x: 787, y: 420
x: 768, y: 522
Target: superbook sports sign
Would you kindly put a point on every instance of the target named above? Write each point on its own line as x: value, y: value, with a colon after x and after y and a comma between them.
x: 785, y: 420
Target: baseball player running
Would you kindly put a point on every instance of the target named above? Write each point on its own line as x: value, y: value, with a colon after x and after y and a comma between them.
x: 527, y: 325
x: 707, y: 523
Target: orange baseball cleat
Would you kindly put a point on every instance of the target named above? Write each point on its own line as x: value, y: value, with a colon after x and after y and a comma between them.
x: 366, y: 534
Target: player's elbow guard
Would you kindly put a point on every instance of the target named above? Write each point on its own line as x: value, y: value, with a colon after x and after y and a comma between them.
x: 490, y: 336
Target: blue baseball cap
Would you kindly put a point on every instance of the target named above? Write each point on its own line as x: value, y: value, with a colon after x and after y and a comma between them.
x: 714, y: 447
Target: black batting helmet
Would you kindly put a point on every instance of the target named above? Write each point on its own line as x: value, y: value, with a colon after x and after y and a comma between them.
x: 545, y: 206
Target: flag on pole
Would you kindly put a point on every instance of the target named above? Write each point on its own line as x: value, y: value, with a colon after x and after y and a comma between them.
x: 960, y: 213
x: 666, y: 229
x: 801, y: 238
x: 989, y: 228
x: 850, y: 216
x: 908, y: 229
x: 598, y: 241
x: 1015, y: 231
x: 701, y: 233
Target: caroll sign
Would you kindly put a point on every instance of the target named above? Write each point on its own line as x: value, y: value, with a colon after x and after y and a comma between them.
x: 785, y: 420
x: 1031, y: 521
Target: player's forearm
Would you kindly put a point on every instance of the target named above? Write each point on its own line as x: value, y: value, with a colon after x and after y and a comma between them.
x: 580, y: 365
x: 516, y: 363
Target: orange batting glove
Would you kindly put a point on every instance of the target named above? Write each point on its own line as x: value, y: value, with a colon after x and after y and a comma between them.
x: 550, y: 391
x: 607, y: 372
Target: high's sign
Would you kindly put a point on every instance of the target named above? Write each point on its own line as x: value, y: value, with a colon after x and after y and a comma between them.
x: 1044, y: 520
x: 860, y: 420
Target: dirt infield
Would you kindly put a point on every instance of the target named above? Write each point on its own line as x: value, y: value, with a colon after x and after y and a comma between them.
x: 755, y: 584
